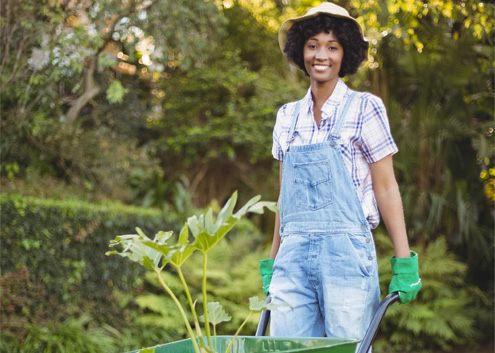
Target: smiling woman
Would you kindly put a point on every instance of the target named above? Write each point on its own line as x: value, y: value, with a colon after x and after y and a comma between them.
x: 335, y: 150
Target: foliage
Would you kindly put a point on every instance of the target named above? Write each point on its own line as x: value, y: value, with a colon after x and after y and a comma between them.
x: 200, y: 83
x: 254, y: 39
x: 446, y: 312
x: 170, y: 193
x: 79, y: 335
x: 61, y: 57
x: 232, y: 270
x: 446, y: 101
x: 157, y: 253
x: 53, y: 261
x: 216, y: 124
x: 99, y: 163
x: 69, y: 42
x: 23, y: 302
x: 116, y: 92
x: 73, y: 335
x: 140, y: 335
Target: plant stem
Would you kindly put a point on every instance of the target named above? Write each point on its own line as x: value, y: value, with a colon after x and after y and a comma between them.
x: 191, y: 304
x: 215, y: 335
x: 237, y: 333
x: 205, y: 301
x: 184, y: 316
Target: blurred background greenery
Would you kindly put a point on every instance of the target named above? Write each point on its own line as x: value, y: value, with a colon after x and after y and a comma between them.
x: 116, y: 114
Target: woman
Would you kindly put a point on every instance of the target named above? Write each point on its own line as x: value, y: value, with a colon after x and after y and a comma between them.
x: 336, y: 174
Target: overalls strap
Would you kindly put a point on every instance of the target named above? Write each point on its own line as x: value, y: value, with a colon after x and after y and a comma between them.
x: 336, y: 130
x: 335, y: 135
x: 295, y: 115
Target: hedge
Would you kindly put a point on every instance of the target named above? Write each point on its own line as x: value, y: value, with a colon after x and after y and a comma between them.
x: 52, y: 257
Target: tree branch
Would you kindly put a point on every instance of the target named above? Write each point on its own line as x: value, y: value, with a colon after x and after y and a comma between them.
x: 90, y: 91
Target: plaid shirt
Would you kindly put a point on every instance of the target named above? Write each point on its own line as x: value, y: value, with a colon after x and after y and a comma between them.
x: 365, y: 137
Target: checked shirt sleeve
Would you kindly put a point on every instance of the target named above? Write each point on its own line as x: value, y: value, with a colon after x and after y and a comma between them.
x: 278, y: 131
x: 376, y: 139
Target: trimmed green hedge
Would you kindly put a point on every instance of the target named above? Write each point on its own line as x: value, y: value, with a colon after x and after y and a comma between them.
x: 61, y: 245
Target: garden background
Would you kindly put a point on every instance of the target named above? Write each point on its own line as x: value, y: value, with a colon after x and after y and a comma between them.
x: 117, y: 114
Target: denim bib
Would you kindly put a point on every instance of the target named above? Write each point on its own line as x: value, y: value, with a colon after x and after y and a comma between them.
x: 317, y: 192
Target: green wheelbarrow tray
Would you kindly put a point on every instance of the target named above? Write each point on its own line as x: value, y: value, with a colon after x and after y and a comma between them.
x: 261, y: 344
x: 252, y: 344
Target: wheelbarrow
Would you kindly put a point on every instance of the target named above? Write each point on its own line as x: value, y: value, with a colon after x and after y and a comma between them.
x: 262, y: 344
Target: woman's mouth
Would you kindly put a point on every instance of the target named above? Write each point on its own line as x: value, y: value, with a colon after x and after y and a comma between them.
x: 320, y: 67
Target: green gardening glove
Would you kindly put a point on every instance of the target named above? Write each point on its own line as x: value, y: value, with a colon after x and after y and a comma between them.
x: 405, y: 279
x: 266, y: 271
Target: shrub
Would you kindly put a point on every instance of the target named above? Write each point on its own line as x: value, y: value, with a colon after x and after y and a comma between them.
x: 443, y: 316
x: 60, y: 247
x: 73, y: 335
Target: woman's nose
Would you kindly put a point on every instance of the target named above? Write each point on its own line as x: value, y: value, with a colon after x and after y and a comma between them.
x: 321, y: 55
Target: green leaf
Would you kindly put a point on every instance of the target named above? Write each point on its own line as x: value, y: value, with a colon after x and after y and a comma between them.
x: 227, y: 210
x: 258, y: 207
x: 140, y: 232
x: 216, y: 314
x: 162, y: 237
x: 116, y: 92
x: 206, y: 235
x: 159, y: 243
x: 245, y: 208
x: 147, y: 350
x: 106, y: 60
x: 181, y: 251
x: 209, y: 225
x: 184, y: 235
x: 255, y: 304
x: 179, y: 254
x: 194, y: 225
x: 204, y: 241
x: 136, y: 249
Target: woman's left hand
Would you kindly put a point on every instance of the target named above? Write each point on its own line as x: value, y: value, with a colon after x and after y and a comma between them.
x: 405, y: 278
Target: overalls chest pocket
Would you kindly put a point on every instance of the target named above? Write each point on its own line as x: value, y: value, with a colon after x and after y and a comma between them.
x: 313, y: 184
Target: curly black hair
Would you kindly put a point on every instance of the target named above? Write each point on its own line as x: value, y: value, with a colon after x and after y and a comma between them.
x: 346, y: 31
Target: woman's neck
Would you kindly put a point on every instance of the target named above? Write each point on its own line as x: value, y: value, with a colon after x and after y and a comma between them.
x: 320, y: 94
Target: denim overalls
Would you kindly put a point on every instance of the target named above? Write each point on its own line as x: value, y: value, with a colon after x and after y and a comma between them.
x: 326, y: 265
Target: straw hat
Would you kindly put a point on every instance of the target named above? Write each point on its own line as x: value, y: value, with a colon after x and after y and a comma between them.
x: 327, y: 8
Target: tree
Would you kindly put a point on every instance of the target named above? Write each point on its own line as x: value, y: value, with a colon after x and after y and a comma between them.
x: 76, y: 42
x: 61, y: 56
x: 433, y: 65
x: 213, y: 123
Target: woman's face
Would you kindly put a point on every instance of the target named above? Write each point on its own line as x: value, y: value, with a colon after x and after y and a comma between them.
x: 323, y: 56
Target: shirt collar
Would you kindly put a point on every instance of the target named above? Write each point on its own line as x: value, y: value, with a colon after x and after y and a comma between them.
x: 307, y: 102
x: 338, y: 94
x: 334, y: 100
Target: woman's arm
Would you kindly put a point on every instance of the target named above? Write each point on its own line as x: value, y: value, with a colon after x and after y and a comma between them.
x: 276, y: 231
x: 389, y: 202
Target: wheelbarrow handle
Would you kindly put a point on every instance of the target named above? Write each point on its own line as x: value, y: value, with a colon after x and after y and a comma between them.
x: 370, y: 334
x: 264, y: 318
x: 368, y: 338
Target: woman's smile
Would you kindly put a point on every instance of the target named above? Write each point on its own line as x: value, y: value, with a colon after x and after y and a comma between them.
x: 320, y: 67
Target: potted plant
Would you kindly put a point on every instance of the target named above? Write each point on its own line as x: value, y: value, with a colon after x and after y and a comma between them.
x: 201, y: 234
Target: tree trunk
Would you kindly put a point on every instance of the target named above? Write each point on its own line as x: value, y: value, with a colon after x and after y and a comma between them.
x: 90, y: 91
